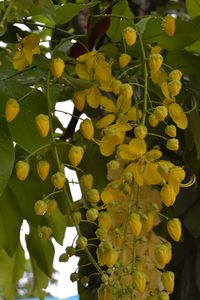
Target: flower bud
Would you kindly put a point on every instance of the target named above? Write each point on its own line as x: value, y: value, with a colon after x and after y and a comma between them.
x: 43, y: 167
x: 110, y: 257
x: 57, y: 67
x: 12, y: 109
x: 75, y: 155
x: 174, y: 87
x: 87, y: 129
x: 162, y: 254
x: 104, y: 220
x: 161, y: 112
x: 135, y: 224
x: 173, y: 144
x: 115, y: 85
x: 40, y: 207
x: 86, y: 182
x: 42, y: 125
x: 126, y: 90
x: 140, y: 132
x: 174, y: 229
x: 45, y: 232
x: 70, y: 251
x: 168, y: 195
x: 139, y: 281
x: 63, y: 257
x: 101, y: 256
x: 153, y: 121
x: 52, y: 205
x: 58, y: 180
x: 77, y: 216
x: 170, y: 130
x: 79, y: 100
x: 93, y: 196
x: 85, y: 280
x: 168, y: 24
x: 130, y: 36
x: 163, y: 296
x: 81, y: 242
x: 113, y: 165
x: 92, y: 214
x: 101, y: 233
x: 147, y: 223
x: 124, y: 60
x: 74, y: 277
x: 175, y: 75
x: 168, y: 281
x: 22, y: 170
x: 155, y: 62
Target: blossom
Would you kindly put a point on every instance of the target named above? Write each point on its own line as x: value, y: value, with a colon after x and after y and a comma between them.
x: 24, y: 52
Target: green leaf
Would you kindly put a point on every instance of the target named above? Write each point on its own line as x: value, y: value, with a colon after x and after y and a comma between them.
x: 42, y: 251
x: 40, y: 280
x: 22, y: 128
x: 58, y: 224
x: 79, y: 84
x: 188, y: 63
x: 7, y: 154
x: 117, y: 25
x: 194, y: 121
x: 10, y: 222
x: 193, y: 8
x: 68, y: 11
x: 11, y: 270
x: 186, y: 34
x: 44, y: 7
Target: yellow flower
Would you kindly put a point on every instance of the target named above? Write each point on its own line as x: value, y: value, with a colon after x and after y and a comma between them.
x: 168, y: 194
x: 86, y: 182
x: 153, y: 121
x: 75, y: 155
x: 175, y: 75
x: 58, y: 180
x: 140, y: 132
x: 104, y: 220
x: 170, y: 130
x: 130, y: 36
x: 110, y: 257
x: 57, y: 67
x: 124, y: 60
x: 24, y: 52
x: 155, y: 62
x: 12, y: 109
x: 159, y: 77
x: 42, y: 125
x: 173, y: 144
x: 168, y: 281
x: 161, y: 112
x: 135, y: 223
x: 168, y: 24
x: 92, y: 196
x: 132, y: 114
x: 174, y: 87
x: 79, y: 100
x: 139, y: 281
x: 162, y: 254
x: 147, y: 222
x: 22, y: 170
x: 43, y: 167
x: 174, y: 229
x: 87, y: 129
x: 178, y: 116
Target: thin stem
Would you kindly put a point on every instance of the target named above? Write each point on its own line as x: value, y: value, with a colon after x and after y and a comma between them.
x: 158, y: 135
x: 64, y: 112
x: 125, y: 233
x: 69, y: 202
x: 37, y: 150
x: 7, y: 12
x: 53, y: 193
x: 26, y: 95
x: 129, y: 69
x: 18, y: 73
x: 137, y: 107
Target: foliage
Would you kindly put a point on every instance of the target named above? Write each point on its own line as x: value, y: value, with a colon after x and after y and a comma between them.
x: 135, y: 160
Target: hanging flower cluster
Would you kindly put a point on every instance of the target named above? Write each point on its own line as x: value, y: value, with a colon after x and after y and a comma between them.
x: 131, y: 257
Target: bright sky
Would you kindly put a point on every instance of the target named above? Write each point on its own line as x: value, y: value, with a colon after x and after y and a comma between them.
x: 64, y: 288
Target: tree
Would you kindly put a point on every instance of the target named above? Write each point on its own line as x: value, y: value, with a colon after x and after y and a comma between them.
x: 132, y: 68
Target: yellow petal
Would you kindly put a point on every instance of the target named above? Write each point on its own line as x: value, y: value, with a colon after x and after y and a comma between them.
x: 132, y: 114
x: 31, y: 41
x: 28, y: 55
x: 105, y: 121
x: 178, y: 116
x: 123, y: 104
x: 86, y: 56
x: 159, y: 77
x: 107, y: 145
x: 36, y: 51
x: 151, y: 175
x: 137, y: 147
x: 107, y: 195
x: 19, y: 61
x: 165, y: 90
x: 82, y: 72
x: 107, y: 104
x: 93, y: 97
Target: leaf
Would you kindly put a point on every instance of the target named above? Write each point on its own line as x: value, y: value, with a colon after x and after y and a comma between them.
x: 188, y: 63
x: 11, y: 270
x: 186, y: 34
x: 117, y: 25
x: 44, y: 7
x: 58, y: 224
x: 79, y: 84
x: 194, y: 120
x: 68, y: 11
x: 22, y: 128
x: 40, y: 280
x: 7, y: 154
x: 42, y: 251
x: 10, y: 222
x: 193, y: 8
